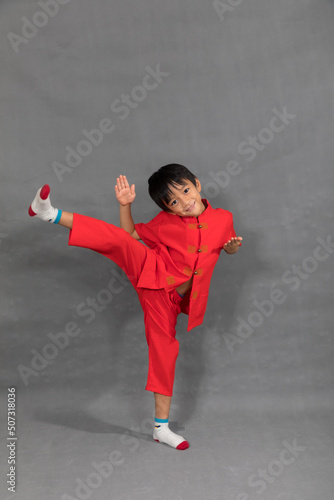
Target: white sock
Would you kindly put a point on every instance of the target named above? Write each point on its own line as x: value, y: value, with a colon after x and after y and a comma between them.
x: 163, y: 434
x: 41, y: 206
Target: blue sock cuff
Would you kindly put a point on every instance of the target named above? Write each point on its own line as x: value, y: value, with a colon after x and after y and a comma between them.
x: 57, y: 219
x: 161, y: 420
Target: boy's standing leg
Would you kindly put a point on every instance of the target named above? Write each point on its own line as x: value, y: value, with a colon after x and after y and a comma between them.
x: 161, y: 309
x: 162, y: 433
x: 162, y: 405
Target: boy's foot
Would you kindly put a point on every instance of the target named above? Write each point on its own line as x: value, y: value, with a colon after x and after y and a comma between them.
x: 41, y: 206
x: 163, y: 434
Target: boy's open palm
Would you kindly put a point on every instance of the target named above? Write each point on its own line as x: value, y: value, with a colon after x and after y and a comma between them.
x: 232, y: 245
x: 124, y: 193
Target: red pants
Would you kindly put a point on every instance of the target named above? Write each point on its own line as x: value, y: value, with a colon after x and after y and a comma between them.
x: 161, y: 307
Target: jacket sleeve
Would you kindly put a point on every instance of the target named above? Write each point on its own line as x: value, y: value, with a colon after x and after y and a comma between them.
x: 149, y: 232
x: 230, y: 232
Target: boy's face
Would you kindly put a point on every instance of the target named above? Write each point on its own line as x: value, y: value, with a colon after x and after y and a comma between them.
x: 186, y: 200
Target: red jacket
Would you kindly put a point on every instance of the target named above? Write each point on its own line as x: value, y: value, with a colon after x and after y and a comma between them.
x: 187, y: 246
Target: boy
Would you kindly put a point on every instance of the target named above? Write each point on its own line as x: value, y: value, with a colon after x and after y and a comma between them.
x: 170, y: 275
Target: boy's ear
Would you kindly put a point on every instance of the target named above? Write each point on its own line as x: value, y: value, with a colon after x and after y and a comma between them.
x: 198, y: 185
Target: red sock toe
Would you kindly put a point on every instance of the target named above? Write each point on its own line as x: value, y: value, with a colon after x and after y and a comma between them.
x: 183, y: 446
x: 45, y: 191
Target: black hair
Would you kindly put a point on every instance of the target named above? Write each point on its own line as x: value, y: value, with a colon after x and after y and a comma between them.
x: 172, y: 174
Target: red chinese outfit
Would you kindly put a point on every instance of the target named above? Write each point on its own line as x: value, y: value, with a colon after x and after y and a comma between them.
x: 179, y: 248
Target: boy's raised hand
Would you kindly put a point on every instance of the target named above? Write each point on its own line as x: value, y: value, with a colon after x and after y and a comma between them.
x: 124, y: 193
x: 232, y: 245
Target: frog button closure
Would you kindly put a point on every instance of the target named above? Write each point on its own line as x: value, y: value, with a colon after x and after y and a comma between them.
x: 199, y: 272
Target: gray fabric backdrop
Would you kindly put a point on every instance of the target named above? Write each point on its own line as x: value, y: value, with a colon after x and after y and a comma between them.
x: 241, y: 93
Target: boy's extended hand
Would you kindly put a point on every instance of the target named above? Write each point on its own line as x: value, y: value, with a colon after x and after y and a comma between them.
x: 124, y: 193
x: 232, y: 245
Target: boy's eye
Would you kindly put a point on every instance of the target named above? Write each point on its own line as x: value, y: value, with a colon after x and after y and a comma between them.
x: 185, y: 191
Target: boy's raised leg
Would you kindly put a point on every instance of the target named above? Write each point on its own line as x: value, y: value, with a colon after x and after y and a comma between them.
x: 66, y: 219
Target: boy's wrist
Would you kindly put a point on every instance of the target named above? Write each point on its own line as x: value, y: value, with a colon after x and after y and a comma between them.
x: 232, y: 250
x: 126, y: 221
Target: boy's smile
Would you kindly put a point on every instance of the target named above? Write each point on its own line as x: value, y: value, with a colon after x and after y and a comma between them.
x: 186, y: 200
